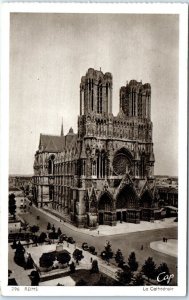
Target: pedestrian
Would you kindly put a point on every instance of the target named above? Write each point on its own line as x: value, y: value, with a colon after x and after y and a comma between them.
x: 98, y: 232
x: 91, y: 259
x: 68, y: 245
x: 163, y: 239
x: 141, y: 247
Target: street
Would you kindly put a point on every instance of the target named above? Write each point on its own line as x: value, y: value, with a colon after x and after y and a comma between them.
x: 126, y: 242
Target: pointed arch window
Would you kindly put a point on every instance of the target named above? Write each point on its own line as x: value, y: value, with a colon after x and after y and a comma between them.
x: 51, y: 167
x: 143, y: 166
x: 99, y: 97
x: 133, y: 102
x: 83, y: 168
x: 92, y: 96
x: 140, y: 105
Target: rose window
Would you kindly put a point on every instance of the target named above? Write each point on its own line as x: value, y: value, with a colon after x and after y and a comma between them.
x: 121, y: 164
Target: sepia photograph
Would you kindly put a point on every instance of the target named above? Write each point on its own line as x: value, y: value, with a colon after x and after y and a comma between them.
x: 93, y: 170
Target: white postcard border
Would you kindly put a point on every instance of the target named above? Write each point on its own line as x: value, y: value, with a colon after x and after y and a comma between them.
x: 182, y: 10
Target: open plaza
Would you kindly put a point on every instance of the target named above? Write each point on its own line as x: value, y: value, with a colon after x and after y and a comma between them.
x: 146, y: 240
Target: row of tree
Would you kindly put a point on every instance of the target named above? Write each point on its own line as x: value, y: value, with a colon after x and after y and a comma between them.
x: 149, y: 269
x: 125, y: 274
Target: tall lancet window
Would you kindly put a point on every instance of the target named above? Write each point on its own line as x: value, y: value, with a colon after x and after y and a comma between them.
x: 133, y: 102
x: 99, y: 98
x: 82, y: 104
x: 148, y: 105
x: 92, y: 97
x: 107, y: 100
x: 140, y: 104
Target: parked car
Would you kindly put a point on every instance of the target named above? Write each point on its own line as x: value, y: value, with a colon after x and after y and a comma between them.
x: 71, y: 240
x: 85, y: 246
x: 92, y: 250
x: 62, y: 237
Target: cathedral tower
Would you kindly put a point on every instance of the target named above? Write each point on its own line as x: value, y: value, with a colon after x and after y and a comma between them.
x: 135, y: 99
x: 96, y: 93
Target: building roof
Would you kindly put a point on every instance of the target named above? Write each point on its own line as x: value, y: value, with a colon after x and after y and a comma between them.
x: 56, y: 143
x: 51, y: 143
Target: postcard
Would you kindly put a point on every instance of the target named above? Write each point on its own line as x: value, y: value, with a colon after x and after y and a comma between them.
x: 94, y: 149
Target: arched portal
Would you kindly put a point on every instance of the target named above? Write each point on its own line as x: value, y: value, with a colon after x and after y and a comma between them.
x: 127, y: 205
x: 147, y: 212
x: 126, y: 198
x: 105, y: 208
x: 146, y: 200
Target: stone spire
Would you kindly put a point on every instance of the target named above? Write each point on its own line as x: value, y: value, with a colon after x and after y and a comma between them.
x: 62, y: 130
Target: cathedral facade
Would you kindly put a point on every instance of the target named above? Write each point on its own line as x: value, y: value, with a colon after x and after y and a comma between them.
x: 104, y: 173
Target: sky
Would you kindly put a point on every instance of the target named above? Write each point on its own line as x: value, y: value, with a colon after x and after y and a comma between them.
x: 49, y: 53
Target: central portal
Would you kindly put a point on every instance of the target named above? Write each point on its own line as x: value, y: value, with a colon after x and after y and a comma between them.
x: 106, y: 216
x: 101, y: 218
x: 121, y: 215
x: 127, y: 205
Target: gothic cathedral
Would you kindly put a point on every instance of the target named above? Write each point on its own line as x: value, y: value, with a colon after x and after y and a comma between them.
x: 104, y: 173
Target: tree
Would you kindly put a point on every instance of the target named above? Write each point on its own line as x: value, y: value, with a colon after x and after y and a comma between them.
x: 149, y: 268
x: 20, y: 247
x: 124, y: 276
x: 12, y: 205
x: 29, y: 262
x: 46, y: 260
x: 81, y: 282
x: 53, y: 228
x: 35, y: 239
x: 34, y: 229
x: 139, y: 280
x: 49, y: 226
x: 94, y: 268
x: 92, y: 249
x: 72, y: 267
x: 63, y: 257
x: 119, y: 257
x: 78, y: 255
x: 133, y: 264
x: 59, y: 232
x: 107, y: 254
x: 53, y: 235
x: 42, y: 238
x: 35, y: 278
x: 19, y: 255
x: 163, y: 268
